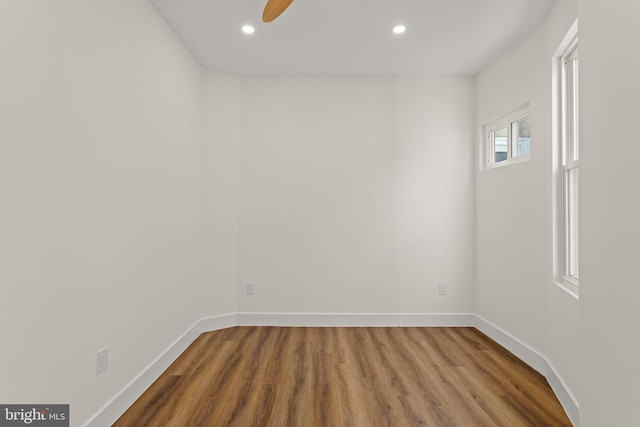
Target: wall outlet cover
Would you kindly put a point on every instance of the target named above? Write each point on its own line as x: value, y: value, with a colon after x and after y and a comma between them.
x: 251, y: 288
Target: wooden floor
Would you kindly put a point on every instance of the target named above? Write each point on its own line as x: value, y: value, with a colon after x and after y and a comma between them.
x: 361, y: 377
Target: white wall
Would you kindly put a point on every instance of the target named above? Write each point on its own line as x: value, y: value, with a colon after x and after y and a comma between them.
x: 221, y: 104
x: 511, y: 202
x: 563, y: 320
x: 101, y: 228
x: 356, y: 195
x: 514, y: 280
x: 609, y: 212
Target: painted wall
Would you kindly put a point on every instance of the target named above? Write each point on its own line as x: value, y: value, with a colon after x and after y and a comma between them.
x: 609, y: 212
x: 563, y: 310
x: 514, y: 279
x: 221, y: 127
x: 511, y: 201
x: 101, y: 225
x: 356, y: 195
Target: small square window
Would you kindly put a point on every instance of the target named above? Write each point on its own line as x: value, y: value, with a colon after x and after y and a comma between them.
x: 508, y: 139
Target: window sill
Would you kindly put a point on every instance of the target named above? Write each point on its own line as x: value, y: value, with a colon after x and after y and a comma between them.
x: 513, y: 161
x: 568, y: 285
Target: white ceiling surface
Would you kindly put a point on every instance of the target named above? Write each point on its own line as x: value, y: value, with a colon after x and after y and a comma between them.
x: 352, y: 37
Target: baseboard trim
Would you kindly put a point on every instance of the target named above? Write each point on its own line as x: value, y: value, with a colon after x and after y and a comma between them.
x: 525, y: 353
x: 564, y: 395
x: 537, y: 361
x: 355, y: 319
x: 110, y: 412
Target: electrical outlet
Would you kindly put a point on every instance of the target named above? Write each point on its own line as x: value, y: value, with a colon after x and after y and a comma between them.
x: 251, y: 288
x: 442, y: 288
x: 103, y: 359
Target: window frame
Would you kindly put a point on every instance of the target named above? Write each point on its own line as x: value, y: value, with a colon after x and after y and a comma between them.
x: 566, y: 163
x: 488, y: 145
x: 571, y: 163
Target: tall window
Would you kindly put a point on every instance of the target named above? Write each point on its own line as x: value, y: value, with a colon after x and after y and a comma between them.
x: 570, y: 160
x: 567, y: 268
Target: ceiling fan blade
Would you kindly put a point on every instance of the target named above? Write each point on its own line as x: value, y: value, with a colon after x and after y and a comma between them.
x: 274, y: 8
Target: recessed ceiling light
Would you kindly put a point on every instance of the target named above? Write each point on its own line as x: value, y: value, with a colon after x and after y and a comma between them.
x: 248, y: 29
x: 399, y: 29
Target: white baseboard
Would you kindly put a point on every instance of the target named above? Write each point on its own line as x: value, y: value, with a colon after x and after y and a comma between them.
x: 537, y: 361
x: 525, y: 353
x: 564, y: 395
x: 354, y: 319
x: 110, y: 412
x: 123, y: 400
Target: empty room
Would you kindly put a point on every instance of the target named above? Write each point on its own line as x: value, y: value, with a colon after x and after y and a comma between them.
x: 319, y: 213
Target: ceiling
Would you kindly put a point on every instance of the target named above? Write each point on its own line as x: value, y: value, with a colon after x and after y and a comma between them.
x: 352, y: 37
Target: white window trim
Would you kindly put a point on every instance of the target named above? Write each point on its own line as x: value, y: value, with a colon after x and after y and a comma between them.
x: 487, y: 148
x: 562, y: 151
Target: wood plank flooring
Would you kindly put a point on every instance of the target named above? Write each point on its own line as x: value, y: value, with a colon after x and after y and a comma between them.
x: 351, y: 377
